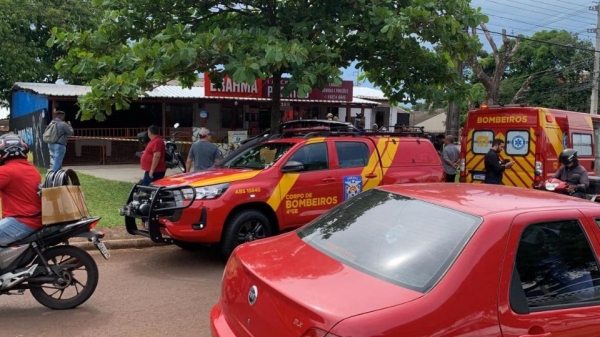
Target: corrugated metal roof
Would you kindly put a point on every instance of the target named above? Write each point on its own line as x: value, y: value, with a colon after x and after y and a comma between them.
x: 173, y: 91
x: 368, y: 93
x: 165, y: 91
x: 52, y: 89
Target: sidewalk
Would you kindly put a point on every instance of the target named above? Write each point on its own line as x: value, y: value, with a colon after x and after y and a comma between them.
x: 130, y: 173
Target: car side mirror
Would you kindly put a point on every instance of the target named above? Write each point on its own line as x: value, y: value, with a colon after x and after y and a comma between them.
x: 292, y: 166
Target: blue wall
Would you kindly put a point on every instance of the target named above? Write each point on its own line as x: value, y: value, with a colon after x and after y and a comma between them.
x: 24, y: 103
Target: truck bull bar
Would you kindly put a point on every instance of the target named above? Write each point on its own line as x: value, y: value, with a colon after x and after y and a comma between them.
x: 145, y: 202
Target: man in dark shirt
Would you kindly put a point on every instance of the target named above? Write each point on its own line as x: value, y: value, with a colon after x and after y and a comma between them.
x: 494, y: 167
x: 570, y: 168
x: 203, y: 154
x: 19, y: 186
x: 59, y: 148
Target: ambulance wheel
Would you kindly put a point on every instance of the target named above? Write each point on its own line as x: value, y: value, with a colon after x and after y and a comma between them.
x: 244, y: 226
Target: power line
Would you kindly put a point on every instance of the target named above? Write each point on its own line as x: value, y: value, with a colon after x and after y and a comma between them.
x: 529, y: 10
x: 540, y: 41
x: 541, y: 8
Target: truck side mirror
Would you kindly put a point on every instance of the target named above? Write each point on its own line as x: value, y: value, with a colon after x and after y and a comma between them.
x: 292, y: 166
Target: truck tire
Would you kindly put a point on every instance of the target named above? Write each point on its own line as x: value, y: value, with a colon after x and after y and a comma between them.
x: 245, y: 226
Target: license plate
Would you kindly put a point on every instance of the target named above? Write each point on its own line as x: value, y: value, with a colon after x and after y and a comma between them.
x: 479, y: 176
x: 103, y: 250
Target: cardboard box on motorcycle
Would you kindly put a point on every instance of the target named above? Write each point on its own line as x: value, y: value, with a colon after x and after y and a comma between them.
x: 62, y: 204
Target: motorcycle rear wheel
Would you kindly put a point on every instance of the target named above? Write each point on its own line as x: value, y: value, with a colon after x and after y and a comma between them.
x: 71, y: 278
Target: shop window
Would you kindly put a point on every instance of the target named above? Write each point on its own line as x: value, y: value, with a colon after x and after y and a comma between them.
x: 232, y: 117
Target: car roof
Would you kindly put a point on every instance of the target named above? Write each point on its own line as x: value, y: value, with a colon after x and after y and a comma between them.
x: 483, y: 199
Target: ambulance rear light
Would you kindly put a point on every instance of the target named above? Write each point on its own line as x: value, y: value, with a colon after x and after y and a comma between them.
x: 462, y: 166
x: 539, y: 168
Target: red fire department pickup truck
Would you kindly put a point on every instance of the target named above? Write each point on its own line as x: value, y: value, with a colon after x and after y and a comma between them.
x: 277, y: 184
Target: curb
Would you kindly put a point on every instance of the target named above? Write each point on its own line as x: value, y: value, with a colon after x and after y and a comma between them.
x: 119, y: 244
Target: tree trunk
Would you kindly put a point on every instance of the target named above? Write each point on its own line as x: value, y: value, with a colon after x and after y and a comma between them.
x: 276, y: 103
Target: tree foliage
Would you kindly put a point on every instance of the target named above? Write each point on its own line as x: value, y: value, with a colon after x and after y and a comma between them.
x: 548, y: 69
x: 25, y: 26
x: 144, y: 43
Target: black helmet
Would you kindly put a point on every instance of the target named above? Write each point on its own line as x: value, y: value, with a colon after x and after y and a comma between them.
x: 12, y: 146
x: 568, y: 156
x: 143, y: 137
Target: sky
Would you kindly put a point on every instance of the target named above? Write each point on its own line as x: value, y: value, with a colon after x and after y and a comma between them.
x: 527, y: 17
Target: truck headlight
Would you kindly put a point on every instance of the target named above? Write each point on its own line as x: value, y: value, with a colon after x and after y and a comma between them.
x: 206, y: 192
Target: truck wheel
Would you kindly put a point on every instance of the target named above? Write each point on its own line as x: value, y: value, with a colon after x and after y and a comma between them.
x: 245, y: 226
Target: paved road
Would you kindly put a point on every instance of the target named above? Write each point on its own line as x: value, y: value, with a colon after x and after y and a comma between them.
x: 162, y: 291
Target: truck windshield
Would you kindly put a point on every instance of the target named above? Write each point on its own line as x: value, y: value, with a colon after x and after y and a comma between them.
x: 258, y: 157
x: 404, y: 241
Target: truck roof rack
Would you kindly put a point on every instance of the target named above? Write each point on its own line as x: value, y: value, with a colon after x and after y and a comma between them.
x: 326, y: 131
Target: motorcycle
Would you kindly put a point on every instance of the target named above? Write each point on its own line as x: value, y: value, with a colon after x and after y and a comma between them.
x: 173, y: 157
x: 59, y: 276
x: 558, y: 186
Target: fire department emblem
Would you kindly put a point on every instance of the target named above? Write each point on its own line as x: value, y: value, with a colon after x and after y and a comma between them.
x: 352, y: 186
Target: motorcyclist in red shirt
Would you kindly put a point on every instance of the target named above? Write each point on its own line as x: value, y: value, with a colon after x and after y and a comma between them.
x: 20, y: 184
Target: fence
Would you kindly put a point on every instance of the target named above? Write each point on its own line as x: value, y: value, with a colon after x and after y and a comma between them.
x: 119, y: 145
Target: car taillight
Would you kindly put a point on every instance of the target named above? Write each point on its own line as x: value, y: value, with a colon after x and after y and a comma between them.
x: 314, y: 332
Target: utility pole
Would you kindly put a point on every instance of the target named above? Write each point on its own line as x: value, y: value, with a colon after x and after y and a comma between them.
x: 596, y: 78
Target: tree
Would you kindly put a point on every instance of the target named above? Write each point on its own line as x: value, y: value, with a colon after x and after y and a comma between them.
x: 492, y: 76
x: 560, y: 65
x: 25, y: 26
x: 144, y: 43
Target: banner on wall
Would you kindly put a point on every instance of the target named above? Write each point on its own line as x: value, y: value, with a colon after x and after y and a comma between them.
x: 236, y: 137
x: 31, y: 127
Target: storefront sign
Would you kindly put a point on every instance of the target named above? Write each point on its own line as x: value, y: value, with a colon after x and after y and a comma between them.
x: 236, y: 137
x: 331, y: 92
x: 233, y: 89
x: 264, y: 89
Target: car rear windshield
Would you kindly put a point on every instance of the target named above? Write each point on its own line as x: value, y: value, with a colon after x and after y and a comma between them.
x: 398, y: 239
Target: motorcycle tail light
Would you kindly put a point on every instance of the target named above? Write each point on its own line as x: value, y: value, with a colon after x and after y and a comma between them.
x: 314, y: 332
x: 94, y: 224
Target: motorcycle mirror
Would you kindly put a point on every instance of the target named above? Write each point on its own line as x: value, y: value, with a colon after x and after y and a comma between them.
x: 176, y: 125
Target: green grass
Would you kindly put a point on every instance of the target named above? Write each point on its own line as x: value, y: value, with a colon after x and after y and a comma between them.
x: 103, y: 197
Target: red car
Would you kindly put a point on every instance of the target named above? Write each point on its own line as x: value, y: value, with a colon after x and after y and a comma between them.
x: 423, y: 260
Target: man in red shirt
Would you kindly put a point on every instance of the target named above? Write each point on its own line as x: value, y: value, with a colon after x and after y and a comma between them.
x: 153, y: 158
x: 20, y: 184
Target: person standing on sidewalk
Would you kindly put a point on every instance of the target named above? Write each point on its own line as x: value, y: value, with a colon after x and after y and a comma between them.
x: 153, y: 157
x: 58, y: 149
x: 203, y: 154
x: 450, y: 158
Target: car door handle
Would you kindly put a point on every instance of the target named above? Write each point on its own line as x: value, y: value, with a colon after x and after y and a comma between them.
x: 547, y: 334
x: 371, y: 175
x: 328, y: 180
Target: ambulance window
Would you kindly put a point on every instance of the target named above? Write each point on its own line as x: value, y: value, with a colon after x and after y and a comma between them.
x: 482, y: 141
x: 583, y: 144
x: 517, y: 143
x: 352, y: 154
x: 313, y: 156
